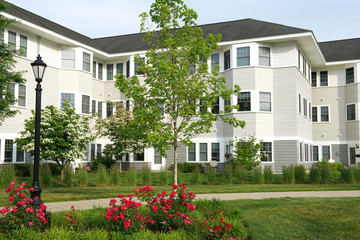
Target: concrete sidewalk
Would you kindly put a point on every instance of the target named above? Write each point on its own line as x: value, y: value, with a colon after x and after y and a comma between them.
x: 89, y: 204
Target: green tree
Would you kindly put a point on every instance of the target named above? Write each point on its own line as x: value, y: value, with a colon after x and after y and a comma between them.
x: 64, y: 135
x: 8, y: 77
x: 177, y: 90
x: 247, y: 152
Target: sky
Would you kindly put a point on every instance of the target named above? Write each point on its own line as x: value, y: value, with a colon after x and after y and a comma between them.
x: 328, y: 19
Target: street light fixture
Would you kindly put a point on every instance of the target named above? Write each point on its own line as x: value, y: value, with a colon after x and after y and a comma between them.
x: 39, y: 69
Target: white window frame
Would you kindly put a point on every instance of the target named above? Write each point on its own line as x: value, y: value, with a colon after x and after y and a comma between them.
x: 194, y: 151
x: 351, y: 120
x: 260, y: 101
x: 86, y: 65
x: 264, y: 56
x: 67, y: 61
x: 62, y: 100
x: 17, y: 95
x: 240, y: 57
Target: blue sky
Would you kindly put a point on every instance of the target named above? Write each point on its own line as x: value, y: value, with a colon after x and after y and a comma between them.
x: 328, y: 19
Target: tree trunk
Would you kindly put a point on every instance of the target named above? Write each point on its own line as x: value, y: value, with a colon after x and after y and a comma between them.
x: 175, y: 161
x: 62, y: 174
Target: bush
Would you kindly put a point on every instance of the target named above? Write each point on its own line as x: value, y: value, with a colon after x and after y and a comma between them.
x: 82, y: 176
x: 7, y: 174
x: 315, y: 176
x: 186, y: 167
x: 357, y: 174
x: 54, y: 168
x: 45, y: 175
x: 146, y: 176
x: 240, y: 174
x: 163, y: 176
x: 258, y: 176
x: 22, y: 170
x: 68, y: 176
x: 334, y: 168
x: 347, y: 175
x: 228, y: 173
x: 103, y: 160
x: 325, y: 173
x: 131, y: 176
x: 268, y: 174
x: 101, y: 175
x: 115, y: 175
x: 195, y: 176
x: 288, y: 174
x: 300, y: 173
x: 211, y: 176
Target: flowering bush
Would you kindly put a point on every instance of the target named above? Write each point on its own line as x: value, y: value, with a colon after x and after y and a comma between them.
x: 21, y: 213
x: 71, y: 219
x: 164, y: 212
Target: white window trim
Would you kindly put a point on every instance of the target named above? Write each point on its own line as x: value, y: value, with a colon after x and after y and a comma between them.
x: 356, y: 111
x: 318, y: 108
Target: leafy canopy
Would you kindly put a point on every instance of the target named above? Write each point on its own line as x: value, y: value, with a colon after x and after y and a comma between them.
x: 247, y: 152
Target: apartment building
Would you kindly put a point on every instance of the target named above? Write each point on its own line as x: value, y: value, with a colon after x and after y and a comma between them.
x: 297, y: 95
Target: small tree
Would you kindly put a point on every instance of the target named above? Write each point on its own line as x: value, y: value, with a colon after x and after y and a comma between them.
x: 64, y: 135
x: 178, y: 89
x: 247, y: 152
x: 7, y: 76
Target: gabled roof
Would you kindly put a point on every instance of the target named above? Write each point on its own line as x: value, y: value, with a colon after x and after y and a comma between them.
x: 341, y: 50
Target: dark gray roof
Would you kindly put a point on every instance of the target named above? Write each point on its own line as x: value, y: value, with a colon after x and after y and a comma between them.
x: 341, y: 50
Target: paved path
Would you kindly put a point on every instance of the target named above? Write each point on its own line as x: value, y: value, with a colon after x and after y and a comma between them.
x: 89, y: 204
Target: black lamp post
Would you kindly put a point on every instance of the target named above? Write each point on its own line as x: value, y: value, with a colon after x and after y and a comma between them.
x: 38, y: 67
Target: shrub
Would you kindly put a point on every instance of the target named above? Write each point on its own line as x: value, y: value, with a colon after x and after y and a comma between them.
x: 299, y: 173
x: 334, y: 168
x: 228, y: 173
x: 22, y: 170
x: 268, y: 174
x: 211, y: 175
x: 195, y: 176
x: 258, y: 176
x: 54, y: 168
x: 115, y: 175
x: 325, y: 173
x: 103, y: 160
x: 347, y: 175
x: 163, y: 176
x: 68, y: 176
x: 7, y: 174
x: 101, y: 175
x: 357, y: 174
x: 240, y: 174
x: 131, y: 176
x: 45, y: 175
x: 288, y: 174
x: 82, y: 176
x: 187, y: 167
x: 146, y: 176
x: 71, y: 219
x: 315, y: 176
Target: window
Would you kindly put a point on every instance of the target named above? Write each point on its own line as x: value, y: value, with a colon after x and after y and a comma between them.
x: 324, y: 114
x: 119, y: 68
x: 244, y: 101
x: 299, y: 103
x: 313, y: 79
x: 266, y: 149
x: 227, y: 60
x: 350, y: 112
x: 67, y: 96
x: 203, y: 151
x: 20, y: 155
x: 139, y: 156
x: 325, y: 152
x: 12, y: 40
x: 67, y: 58
x: 85, y: 104
x: 8, y: 150
x: 304, y: 66
x: 315, y: 153
x: 94, y: 69
x: 138, y: 63
x: 93, y: 107
x: 243, y: 56
x: 227, y: 104
x: 109, y: 109
x: 23, y: 45
x: 352, y: 155
x: 109, y: 71
x: 216, y: 106
x: 264, y: 56
x: 349, y: 75
x: 310, y: 110
x: 305, y: 107
x: 22, y: 96
x: 215, y: 152
x: 157, y: 157
x: 99, y: 109
x: 215, y: 61
x: 86, y: 62
x: 191, y: 153
x: 299, y: 56
x: 128, y: 69
x: 301, y: 153
x: 100, y: 71
x: 314, y: 114
x: 265, y: 101
x: 306, y: 152
x: 323, y: 78
x: 93, y: 146
x: 98, y: 150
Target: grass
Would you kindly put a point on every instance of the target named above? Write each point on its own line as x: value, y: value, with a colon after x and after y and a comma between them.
x: 301, y: 218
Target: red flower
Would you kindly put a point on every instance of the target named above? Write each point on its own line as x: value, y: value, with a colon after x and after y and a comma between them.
x: 154, y: 208
x: 174, y: 186
x: 30, y: 224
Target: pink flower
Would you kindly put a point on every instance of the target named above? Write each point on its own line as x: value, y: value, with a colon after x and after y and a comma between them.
x: 211, y: 230
x: 154, y: 208
x: 22, y: 195
x: 219, y: 210
x: 31, y: 189
x: 30, y: 224
x: 162, y: 222
x: 11, y: 198
x: 174, y: 186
